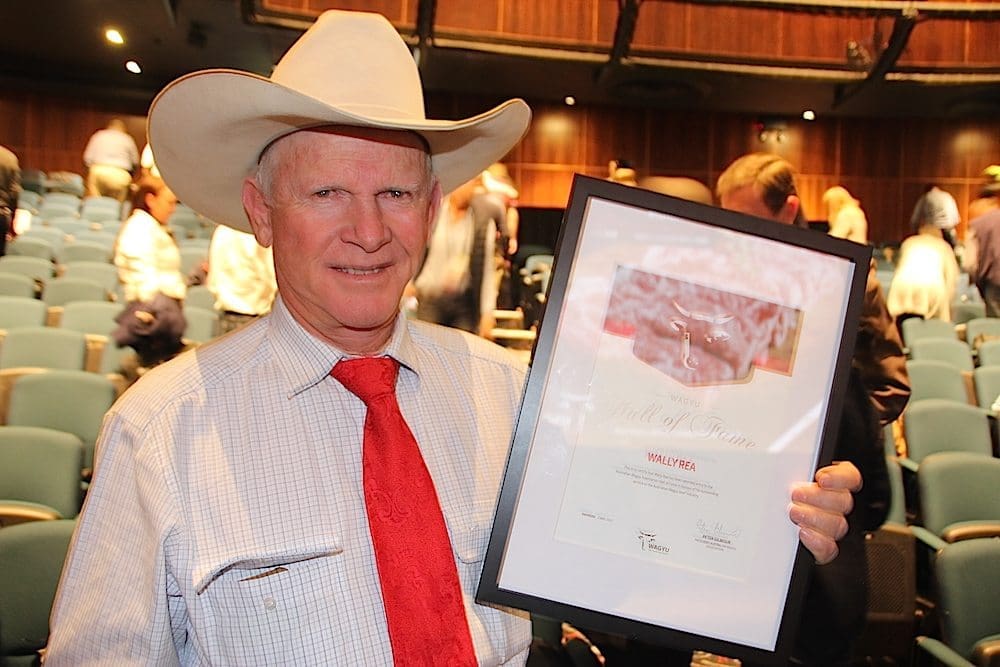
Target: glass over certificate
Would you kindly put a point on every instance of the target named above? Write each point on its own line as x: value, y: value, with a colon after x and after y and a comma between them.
x: 688, y: 372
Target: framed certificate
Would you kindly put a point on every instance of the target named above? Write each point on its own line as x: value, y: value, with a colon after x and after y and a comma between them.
x: 689, y: 370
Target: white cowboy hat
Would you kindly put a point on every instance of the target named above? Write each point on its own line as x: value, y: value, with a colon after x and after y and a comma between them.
x: 209, y: 128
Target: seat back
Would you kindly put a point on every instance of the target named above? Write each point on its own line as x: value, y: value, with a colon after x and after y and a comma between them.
x: 60, y: 291
x: 41, y: 465
x: 989, y: 353
x: 935, y: 379
x: 43, y: 347
x: 200, y: 296
x: 35, y: 268
x: 958, y: 486
x: 987, y: 382
x: 968, y: 576
x: 15, y: 284
x: 202, y: 324
x: 104, y: 273
x: 21, y: 311
x: 31, y: 562
x: 31, y: 246
x: 81, y: 249
x: 963, y: 311
x: 70, y: 401
x: 53, y: 235
x: 938, y: 425
x: 982, y: 326
x: 949, y: 350
x: 915, y: 328
x: 90, y: 317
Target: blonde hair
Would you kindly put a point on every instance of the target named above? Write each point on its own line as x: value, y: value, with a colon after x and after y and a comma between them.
x: 771, y: 175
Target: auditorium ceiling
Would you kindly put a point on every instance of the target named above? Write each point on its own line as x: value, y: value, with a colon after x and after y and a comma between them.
x: 876, y: 58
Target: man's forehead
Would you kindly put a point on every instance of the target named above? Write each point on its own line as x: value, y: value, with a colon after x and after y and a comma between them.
x: 403, y: 138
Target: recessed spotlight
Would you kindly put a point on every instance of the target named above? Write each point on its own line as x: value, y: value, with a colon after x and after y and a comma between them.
x: 809, y: 114
x: 133, y: 67
x: 114, y: 36
x: 569, y: 100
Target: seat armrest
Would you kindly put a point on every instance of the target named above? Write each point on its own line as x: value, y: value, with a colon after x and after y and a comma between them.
x: 944, y: 653
x: 928, y: 538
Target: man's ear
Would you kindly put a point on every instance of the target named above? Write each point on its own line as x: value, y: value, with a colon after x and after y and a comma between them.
x: 258, y: 212
x: 790, y: 210
x: 432, y: 211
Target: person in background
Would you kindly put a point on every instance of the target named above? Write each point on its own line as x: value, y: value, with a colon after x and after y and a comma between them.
x: 843, y: 212
x: 146, y: 254
x: 317, y: 487
x: 622, y: 171
x: 982, y: 245
x: 936, y: 207
x: 10, y: 188
x: 499, y: 192
x: 111, y: 157
x: 923, y: 283
x: 241, y: 276
x: 763, y: 185
x: 457, y: 286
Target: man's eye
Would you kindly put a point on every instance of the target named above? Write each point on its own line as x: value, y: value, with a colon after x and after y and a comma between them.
x: 323, y: 193
x: 396, y: 194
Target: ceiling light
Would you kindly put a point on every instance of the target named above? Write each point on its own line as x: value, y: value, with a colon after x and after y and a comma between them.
x: 114, y: 36
x: 133, y: 67
x: 569, y: 100
x: 809, y: 114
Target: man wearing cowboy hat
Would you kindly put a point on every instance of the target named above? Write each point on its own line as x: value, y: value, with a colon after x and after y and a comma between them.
x: 228, y: 522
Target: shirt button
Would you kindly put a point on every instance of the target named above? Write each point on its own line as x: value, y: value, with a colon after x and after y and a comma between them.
x: 269, y: 603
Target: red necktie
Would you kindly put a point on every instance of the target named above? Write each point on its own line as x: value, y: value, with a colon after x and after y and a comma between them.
x: 416, y: 566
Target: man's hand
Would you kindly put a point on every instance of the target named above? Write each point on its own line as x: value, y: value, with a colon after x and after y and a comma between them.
x: 819, y: 509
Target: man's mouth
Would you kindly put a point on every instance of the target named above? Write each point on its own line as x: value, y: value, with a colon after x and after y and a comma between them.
x: 356, y: 271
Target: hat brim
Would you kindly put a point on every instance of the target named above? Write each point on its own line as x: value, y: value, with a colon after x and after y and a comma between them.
x: 208, y: 129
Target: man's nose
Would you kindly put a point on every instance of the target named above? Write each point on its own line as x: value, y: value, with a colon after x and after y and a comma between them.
x: 368, y: 230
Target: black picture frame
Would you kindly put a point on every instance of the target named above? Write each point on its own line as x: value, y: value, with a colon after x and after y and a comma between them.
x: 609, y: 234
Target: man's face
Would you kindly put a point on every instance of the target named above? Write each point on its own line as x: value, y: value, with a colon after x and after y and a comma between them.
x: 162, y: 204
x: 348, y: 213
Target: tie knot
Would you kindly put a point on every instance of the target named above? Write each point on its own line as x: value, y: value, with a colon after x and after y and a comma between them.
x: 367, y: 377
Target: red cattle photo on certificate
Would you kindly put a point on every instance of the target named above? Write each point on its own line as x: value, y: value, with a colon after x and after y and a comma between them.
x: 700, y: 335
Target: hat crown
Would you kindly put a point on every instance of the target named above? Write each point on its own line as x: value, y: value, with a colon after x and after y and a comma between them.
x: 355, y: 61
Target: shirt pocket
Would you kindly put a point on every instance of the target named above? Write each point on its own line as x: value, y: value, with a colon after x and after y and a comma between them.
x: 270, y: 606
x: 469, y: 539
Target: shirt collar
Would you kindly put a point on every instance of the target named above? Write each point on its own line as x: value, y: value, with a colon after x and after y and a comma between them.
x: 307, y: 360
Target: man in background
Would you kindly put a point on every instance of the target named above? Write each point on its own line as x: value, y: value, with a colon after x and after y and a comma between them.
x: 833, y: 616
x: 10, y: 188
x: 111, y: 157
x: 241, y: 276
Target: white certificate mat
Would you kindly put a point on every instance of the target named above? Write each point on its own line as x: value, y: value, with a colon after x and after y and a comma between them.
x: 684, y: 380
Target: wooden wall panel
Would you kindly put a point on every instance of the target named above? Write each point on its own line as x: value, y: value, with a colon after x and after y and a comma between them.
x: 870, y: 148
x: 569, y: 21
x: 820, y: 148
x: 679, y: 144
x: 661, y: 26
x: 983, y: 39
x: 735, y: 31
x: 929, y: 153
x: 616, y: 134
x: 400, y: 12
x: 938, y: 42
x: 820, y: 39
x: 556, y: 137
x: 482, y: 16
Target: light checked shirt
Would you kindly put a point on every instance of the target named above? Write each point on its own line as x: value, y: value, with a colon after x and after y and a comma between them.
x: 225, y: 524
